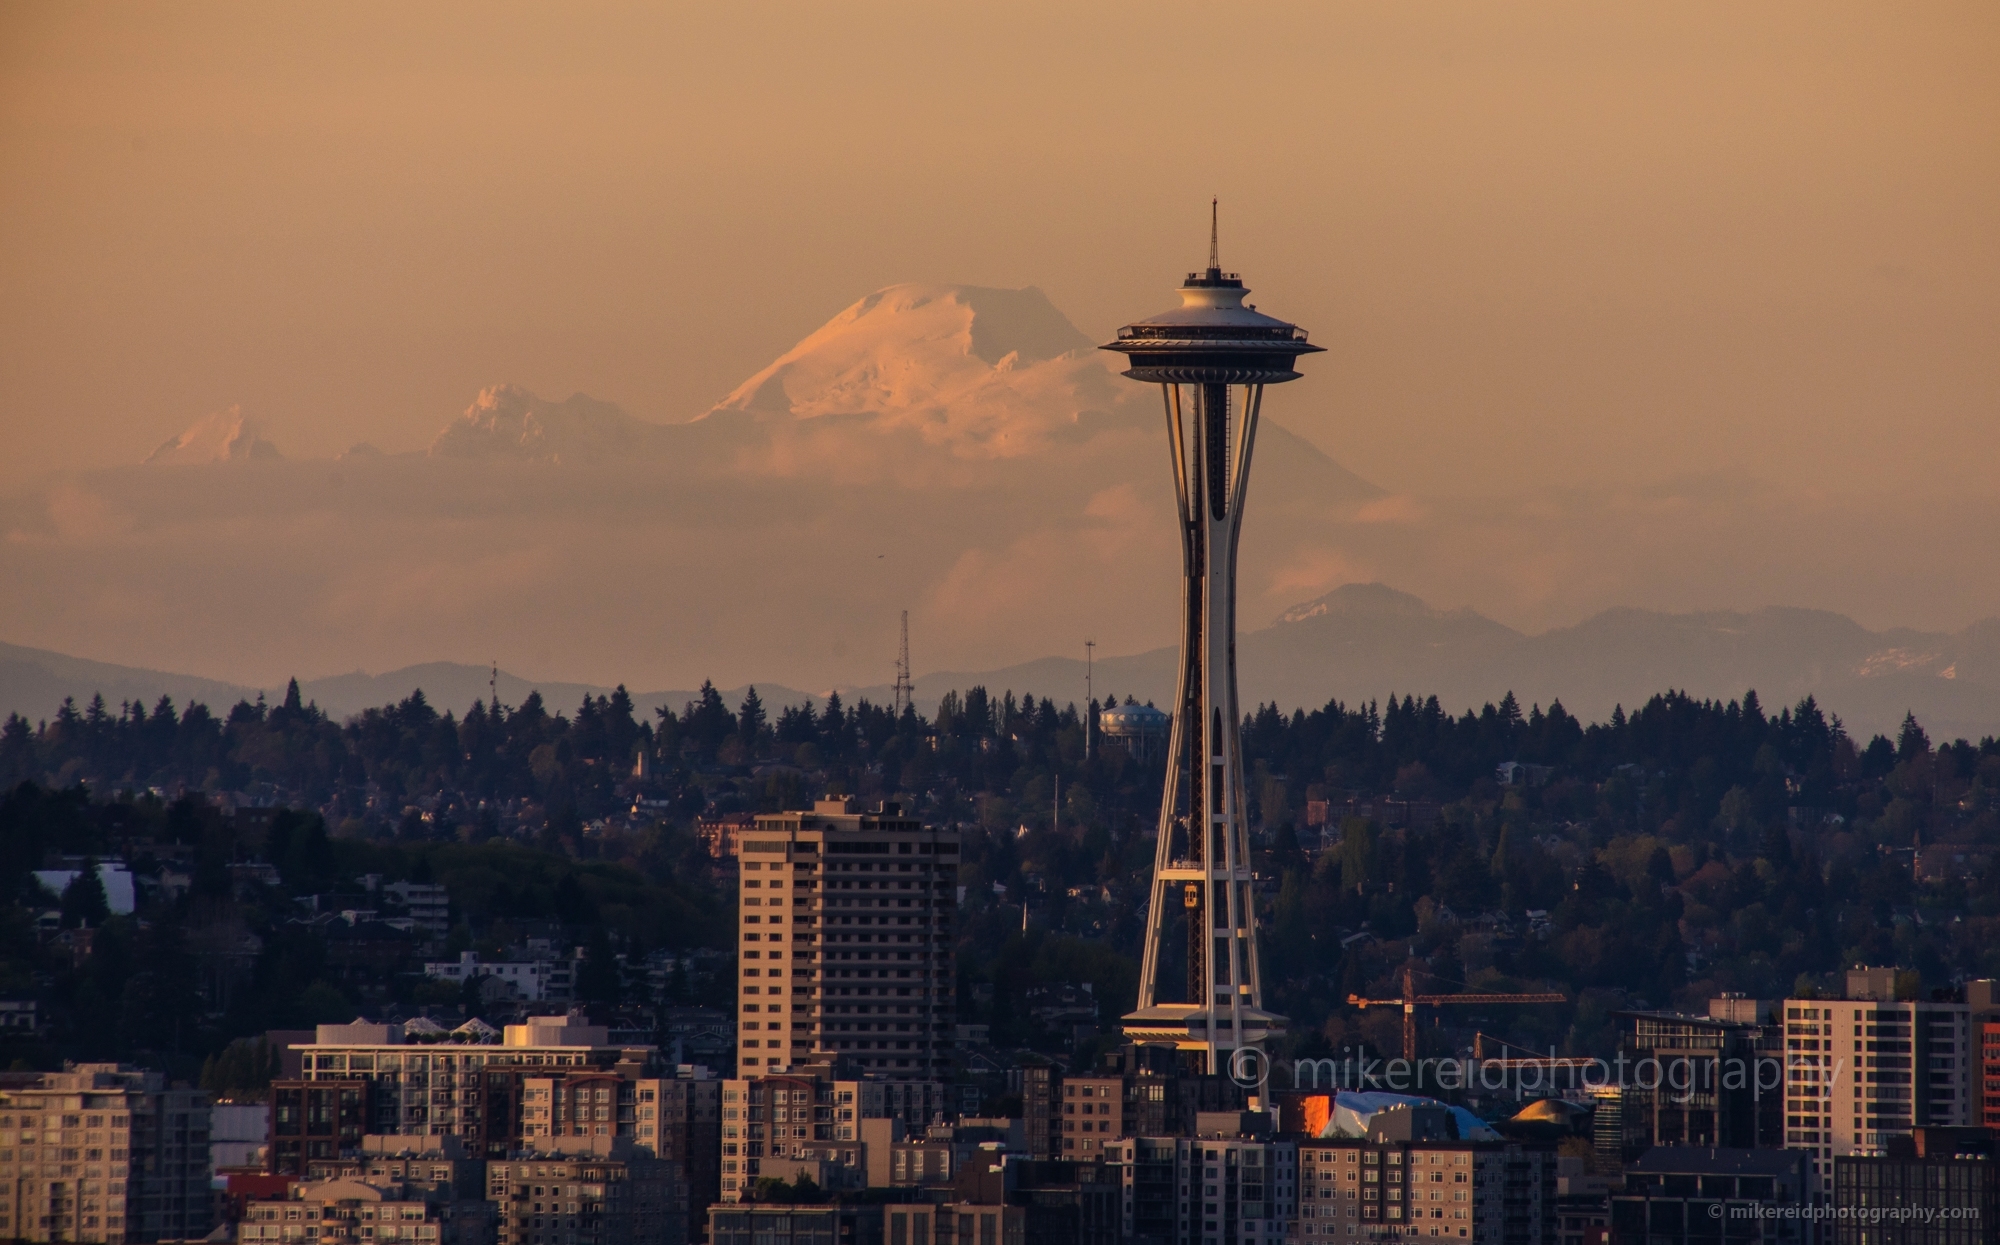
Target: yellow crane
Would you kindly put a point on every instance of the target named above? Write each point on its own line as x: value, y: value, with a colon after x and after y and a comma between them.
x: 1411, y: 999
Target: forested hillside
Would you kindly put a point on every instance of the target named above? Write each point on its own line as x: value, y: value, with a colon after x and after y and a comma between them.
x: 1681, y: 849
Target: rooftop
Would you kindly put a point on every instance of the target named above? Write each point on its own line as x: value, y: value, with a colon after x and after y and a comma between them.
x: 1716, y: 1161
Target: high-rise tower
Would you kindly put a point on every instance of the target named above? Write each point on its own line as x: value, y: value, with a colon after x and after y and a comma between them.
x: 1211, y: 349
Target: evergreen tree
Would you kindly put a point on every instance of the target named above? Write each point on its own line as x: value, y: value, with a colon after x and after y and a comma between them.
x: 1911, y: 741
x: 750, y: 719
x: 83, y: 900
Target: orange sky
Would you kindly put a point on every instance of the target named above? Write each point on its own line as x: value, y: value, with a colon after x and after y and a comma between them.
x: 1551, y: 242
x: 1728, y: 274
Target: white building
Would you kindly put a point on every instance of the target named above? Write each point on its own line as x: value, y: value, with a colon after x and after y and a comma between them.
x: 238, y: 1133
x: 1861, y: 1069
x: 427, y: 904
x: 537, y: 981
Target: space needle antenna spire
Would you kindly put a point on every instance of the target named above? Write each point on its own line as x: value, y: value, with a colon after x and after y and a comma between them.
x: 1202, y: 354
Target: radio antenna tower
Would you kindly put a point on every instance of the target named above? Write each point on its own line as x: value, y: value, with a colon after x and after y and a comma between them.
x: 1198, y: 353
x: 905, y: 689
x: 1089, y: 693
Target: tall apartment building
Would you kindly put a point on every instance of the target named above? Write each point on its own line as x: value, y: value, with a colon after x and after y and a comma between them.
x: 1691, y: 1080
x: 1982, y: 998
x: 588, y: 1191
x: 1989, y: 1074
x: 845, y: 941
x: 1864, y: 1069
x: 1409, y: 1178
x: 106, y: 1153
x: 688, y: 1134
x: 1223, y: 1187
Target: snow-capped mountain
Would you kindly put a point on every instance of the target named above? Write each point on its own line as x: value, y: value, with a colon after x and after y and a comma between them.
x: 968, y: 455
x: 509, y: 421
x: 226, y: 436
x: 926, y: 385
x: 978, y: 373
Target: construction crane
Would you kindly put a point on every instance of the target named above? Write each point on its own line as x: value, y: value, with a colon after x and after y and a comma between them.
x: 1411, y: 999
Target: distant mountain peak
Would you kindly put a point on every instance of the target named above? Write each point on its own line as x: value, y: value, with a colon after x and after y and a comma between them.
x: 1376, y: 599
x: 226, y: 436
x: 509, y: 421
x: 982, y: 373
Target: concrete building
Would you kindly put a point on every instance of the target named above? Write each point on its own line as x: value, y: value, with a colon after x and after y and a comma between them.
x: 1411, y: 1178
x: 720, y: 835
x: 1133, y: 1094
x: 347, y: 1213
x: 535, y: 981
x: 824, y: 1225
x: 1868, y: 1067
x: 1222, y: 1187
x: 588, y: 1191
x: 351, y: 1212
x: 1093, y: 1110
x: 930, y: 1159
x: 1982, y: 999
x: 1014, y: 1199
x: 316, y: 1120
x: 846, y: 941
x: 459, y: 1089
x: 684, y: 1128
x: 1935, y: 1186
x: 813, y: 1116
x: 1692, y: 1080
x: 438, y: 1169
x: 106, y: 1153
x: 1688, y: 1195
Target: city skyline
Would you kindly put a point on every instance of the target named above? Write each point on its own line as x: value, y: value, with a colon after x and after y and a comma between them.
x: 597, y: 650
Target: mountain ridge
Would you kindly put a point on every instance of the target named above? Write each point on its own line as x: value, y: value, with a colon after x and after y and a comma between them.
x: 1357, y: 643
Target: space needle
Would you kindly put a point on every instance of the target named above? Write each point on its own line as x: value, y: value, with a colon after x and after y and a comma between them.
x: 1211, y: 357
